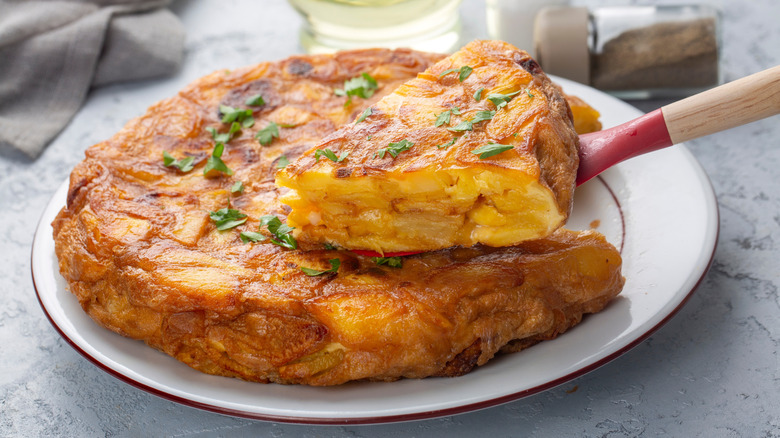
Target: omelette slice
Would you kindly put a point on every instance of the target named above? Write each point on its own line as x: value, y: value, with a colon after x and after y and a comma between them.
x: 480, y: 148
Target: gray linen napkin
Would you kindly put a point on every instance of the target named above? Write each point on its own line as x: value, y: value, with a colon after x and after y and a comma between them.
x: 53, y: 52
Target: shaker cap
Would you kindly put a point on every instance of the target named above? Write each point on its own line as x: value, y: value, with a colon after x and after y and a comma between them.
x: 561, y: 42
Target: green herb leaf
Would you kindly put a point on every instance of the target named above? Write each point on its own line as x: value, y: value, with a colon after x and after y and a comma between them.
x: 280, y: 231
x: 366, y: 112
x: 528, y: 92
x: 394, y: 148
x: 329, y: 246
x: 362, y: 86
x: 466, y: 125
x: 256, y: 100
x: 491, y: 149
x: 329, y: 154
x: 334, y: 267
x: 168, y: 159
x: 282, y: 162
x: 393, y: 262
x: 227, y: 218
x: 238, y: 187
x: 444, y: 117
x: 448, y: 144
x: 251, y: 236
x: 448, y: 71
x: 215, y: 161
x: 481, y: 116
x: 230, y: 114
x: 224, y: 137
x: 500, y: 100
x: 235, y: 127
x: 266, y: 135
x: 478, y: 94
x: 463, y: 72
x: 185, y: 164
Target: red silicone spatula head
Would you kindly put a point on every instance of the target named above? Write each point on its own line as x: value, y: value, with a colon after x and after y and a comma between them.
x: 603, y: 149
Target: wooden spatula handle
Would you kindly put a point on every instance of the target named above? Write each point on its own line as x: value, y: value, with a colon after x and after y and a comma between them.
x: 742, y: 101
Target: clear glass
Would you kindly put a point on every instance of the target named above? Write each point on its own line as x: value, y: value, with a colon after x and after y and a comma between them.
x: 427, y: 25
x: 655, y: 51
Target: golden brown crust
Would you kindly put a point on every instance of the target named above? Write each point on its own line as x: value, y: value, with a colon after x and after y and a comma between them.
x: 138, y: 250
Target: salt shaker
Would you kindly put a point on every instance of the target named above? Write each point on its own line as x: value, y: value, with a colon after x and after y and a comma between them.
x: 632, y: 52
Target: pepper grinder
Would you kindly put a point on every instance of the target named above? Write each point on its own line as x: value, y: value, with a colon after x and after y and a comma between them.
x: 632, y: 52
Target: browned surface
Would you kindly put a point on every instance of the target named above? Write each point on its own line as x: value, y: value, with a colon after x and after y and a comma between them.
x: 138, y: 250
x: 534, y: 120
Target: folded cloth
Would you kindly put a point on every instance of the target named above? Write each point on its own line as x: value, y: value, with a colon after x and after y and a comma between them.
x: 53, y: 52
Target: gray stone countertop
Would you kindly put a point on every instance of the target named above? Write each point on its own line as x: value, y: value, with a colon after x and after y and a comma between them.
x: 712, y: 370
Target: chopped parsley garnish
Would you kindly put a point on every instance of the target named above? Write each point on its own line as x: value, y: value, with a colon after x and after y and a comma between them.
x: 366, y: 112
x: 242, y: 116
x: 282, y: 162
x: 393, y: 262
x: 256, y: 100
x: 448, y: 144
x: 528, y: 92
x: 280, y: 231
x: 329, y: 154
x: 481, y: 116
x: 329, y: 246
x: 251, y: 236
x: 227, y: 218
x: 185, y: 164
x: 238, y: 187
x: 444, y: 117
x: 478, y: 94
x: 500, y: 100
x: 334, y: 267
x: 394, y: 148
x: 463, y: 72
x: 468, y: 125
x: 491, y: 149
x: 224, y: 137
x: 215, y: 161
x: 362, y: 86
x: 266, y: 135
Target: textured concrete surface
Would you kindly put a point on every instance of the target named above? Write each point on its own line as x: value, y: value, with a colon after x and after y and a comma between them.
x: 713, y: 370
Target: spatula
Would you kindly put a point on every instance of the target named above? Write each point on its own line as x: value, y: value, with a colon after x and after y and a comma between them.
x: 739, y: 102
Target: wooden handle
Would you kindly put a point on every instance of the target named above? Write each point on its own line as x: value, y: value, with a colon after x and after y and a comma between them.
x: 742, y: 101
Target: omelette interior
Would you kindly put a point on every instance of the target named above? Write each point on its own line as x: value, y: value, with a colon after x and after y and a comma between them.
x: 173, y: 234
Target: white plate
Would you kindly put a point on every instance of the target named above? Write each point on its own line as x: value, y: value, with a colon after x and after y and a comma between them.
x: 659, y: 209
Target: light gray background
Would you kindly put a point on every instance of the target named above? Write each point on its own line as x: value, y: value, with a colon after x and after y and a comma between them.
x: 713, y: 370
